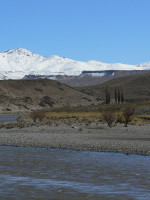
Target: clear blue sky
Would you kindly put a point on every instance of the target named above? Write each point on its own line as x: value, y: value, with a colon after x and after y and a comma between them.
x: 105, y: 30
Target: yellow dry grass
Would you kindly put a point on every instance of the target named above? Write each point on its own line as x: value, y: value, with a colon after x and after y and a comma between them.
x: 93, y: 116
x: 71, y: 115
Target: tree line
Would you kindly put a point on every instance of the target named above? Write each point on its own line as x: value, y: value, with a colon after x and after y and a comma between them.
x: 118, y: 95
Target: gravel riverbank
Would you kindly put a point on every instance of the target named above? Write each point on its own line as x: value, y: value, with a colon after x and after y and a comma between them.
x: 131, y: 139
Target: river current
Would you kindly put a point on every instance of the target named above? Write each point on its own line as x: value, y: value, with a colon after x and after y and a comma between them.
x: 36, y: 173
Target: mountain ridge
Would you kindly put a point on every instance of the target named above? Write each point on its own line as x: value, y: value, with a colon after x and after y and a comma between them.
x: 16, y: 63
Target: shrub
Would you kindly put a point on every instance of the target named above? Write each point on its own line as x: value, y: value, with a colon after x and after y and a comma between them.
x: 37, y: 115
x: 119, y: 118
x: 80, y: 129
x: 109, y: 117
x: 46, y: 100
x: 127, y: 113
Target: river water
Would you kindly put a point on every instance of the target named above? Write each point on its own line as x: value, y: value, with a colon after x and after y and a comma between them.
x: 8, y: 118
x: 36, y: 173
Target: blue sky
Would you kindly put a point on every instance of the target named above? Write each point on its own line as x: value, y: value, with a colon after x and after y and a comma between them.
x: 105, y: 30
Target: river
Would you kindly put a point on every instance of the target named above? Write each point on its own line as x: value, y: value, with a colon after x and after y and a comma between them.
x: 8, y: 118
x: 36, y: 173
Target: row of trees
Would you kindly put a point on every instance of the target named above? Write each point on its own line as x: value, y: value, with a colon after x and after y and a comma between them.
x: 118, y: 95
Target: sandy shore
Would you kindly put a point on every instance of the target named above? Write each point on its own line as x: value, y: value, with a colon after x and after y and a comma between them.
x: 131, y: 139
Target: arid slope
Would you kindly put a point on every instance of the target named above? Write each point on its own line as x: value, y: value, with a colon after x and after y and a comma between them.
x: 20, y: 95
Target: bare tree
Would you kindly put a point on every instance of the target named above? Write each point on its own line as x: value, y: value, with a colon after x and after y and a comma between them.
x: 109, y: 118
x: 127, y: 113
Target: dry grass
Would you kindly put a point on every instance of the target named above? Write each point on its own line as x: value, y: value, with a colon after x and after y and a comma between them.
x: 91, y: 114
x: 99, y: 108
x: 73, y: 116
x: 140, y: 119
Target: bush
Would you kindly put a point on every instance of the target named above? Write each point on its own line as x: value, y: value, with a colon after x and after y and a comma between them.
x: 127, y: 113
x: 109, y: 117
x: 119, y: 118
x: 37, y: 115
x: 46, y: 101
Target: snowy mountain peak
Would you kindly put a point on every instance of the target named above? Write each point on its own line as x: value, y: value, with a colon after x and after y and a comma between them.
x: 22, y: 61
x: 20, y: 51
x: 60, y: 58
x: 19, y: 60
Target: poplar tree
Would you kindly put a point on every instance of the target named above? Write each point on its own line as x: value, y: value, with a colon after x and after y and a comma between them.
x: 116, y: 96
x: 107, y: 95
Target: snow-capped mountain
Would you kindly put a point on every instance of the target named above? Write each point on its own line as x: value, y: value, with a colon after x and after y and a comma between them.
x: 16, y: 63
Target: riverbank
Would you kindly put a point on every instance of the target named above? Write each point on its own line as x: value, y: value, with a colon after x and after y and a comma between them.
x: 132, y: 139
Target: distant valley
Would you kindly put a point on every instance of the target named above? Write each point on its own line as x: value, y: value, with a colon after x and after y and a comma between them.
x: 136, y: 88
x: 33, y: 82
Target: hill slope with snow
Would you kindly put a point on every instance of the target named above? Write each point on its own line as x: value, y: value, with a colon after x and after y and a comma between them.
x: 16, y: 63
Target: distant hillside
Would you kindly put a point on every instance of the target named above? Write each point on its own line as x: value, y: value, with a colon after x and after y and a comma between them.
x: 96, y: 78
x: 136, y: 88
x: 21, y: 95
